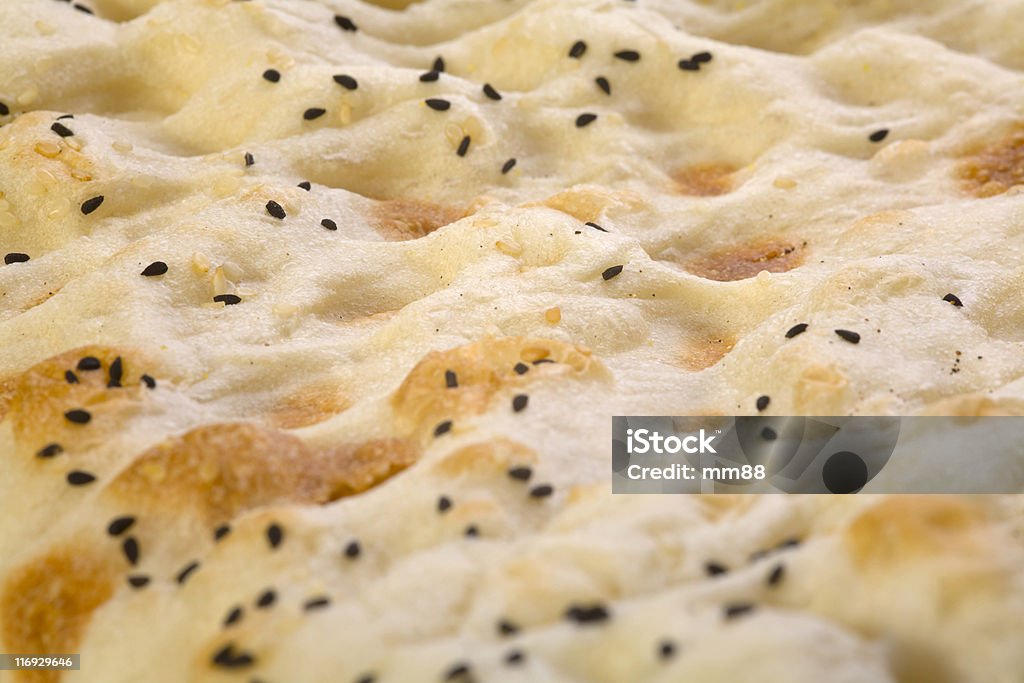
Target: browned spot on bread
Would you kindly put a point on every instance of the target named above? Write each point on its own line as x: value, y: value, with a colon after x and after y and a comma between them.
x: 355, y: 469
x: 486, y: 457
x: 703, y: 353
x: 747, y: 260
x: 408, y: 219
x: 587, y: 202
x: 704, y: 180
x: 7, y: 389
x: 718, y: 506
x: 47, y: 603
x: 308, y: 406
x: 975, y: 405
x: 996, y: 169
x: 483, y: 369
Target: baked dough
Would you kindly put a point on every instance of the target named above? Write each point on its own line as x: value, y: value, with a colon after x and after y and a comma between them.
x: 303, y: 379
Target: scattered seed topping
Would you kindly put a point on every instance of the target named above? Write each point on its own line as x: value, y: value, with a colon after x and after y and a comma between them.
x: 329, y: 224
x: 353, y: 549
x: 508, y: 166
x: 577, y: 49
x: 762, y: 402
x: 520, y: 473
x: 463, y: 147
x: 953, y: 299
x: 272, y: 75
x: 249, y: 159
x: 689, y: 65
x: 737, y: 610
x: 367, y: 678
x: 603, y: 84
x: 878, y: 135
x: 628, y: 55
x: 666, y: 649
x: 120, y: 525
x: 49, y: 451
x: 515, y: 657
x: 227, y: 658
x: 313, y: 113
x: 701, y: 57
x: 61, y: 130
x: 116, y: 373
x: 305, y: 185
x: 768, y: 434
x: 228, y: 299
x: 456, y: 671
x: 587, y: 614
x: 4, y: 109
x: 80, y: 478
x: 15, y: 257
x: 275, y: 534
x: 847, y: 335
x: 131, y: 550
x: 183, y: 575
x: 491, y: 92
x: 90, y: 205
x: 71, y: 377
x: 451, y: 380
x: 438, y: 64
x: 776, y: 575
x: 276, y: 210
x: 221, y: 531
x: 472, y: 531
x: 542, y: 491
x: 542, y: 361
x: 521, y: 368
x: 138, y: 580
x: 430, y: 76
x: 507, y: 628
x: 715, y: 568
x: 65, y: 116
x: 155, y: 268
x: 266, y: 599
x: 443, y: 428
x: 345, y: 23
x: 595, y: 226
x: 346, y: 81
x: 438, y: 104
x: 799, y: 328
x: 78, y: 416
x: 316, y: 603
x: 519, y: 402
x: 444, y: 504
x: 234, y: 616
x: 148, y: 381
x: 609, y: 273
x: 585, y: 120
x: 89, y: 363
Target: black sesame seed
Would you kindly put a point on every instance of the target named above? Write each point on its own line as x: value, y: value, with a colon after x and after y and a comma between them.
x: 221, y: 531
x: 130, y: 547
x: 78, y: 416
x: 89, y: 363
x: 595, y: 226
x: 249, y: 159
x: 577, y: 49
x: 666, y: 649
x: 444, y: 503
x: 628, y: 55
x: 344, y: 23
x: 183, y: 575
x: 438, y: 64
x: 82, y: 8
x: 768, y: 434
x: 519, y: 402
x: 472, y: 531
x: 762, y: 403
x: 521, y: 368
x: 451, y: 380
x: 4, y: 109
x: 305, y: 185
x: 346, y: 81
x: 148, y: 381
x: 430, y: 76
x: 515, y: 658
x: 275, y: 210
x: 229, y: 659
x: 227, y: 299
x: 491, y: 92
x: 313, y: 113
x: 353, y: 549
x: 61, y: 130
x: 701, y: 57
x: 508, y: 166
x: 367, y: 678
x: 90, y: 205
x: 953, y: 299
x: 266, y: 599
x: 776, y: 574
x: 609, y: 273
x: 542, y: 491
x: 116, y: 373
x: 443, y: 428
x: 799, y: 328
x: 541, y: 361
x: 138, y: 580
x: 71, y: 377
x: 847, y: 335
x: 80, y: 478
x: 438, y: 104
x: 878, y: 135
x: 316, y: 603
x: 272, y: 75
x: 457, y: 671
x: 120, y: 525
x: 585, y: 120
x: 463, y: 147
x: 49, y: 451
x: 234, y: 616
x: 737, y: 610
x: 688, y: 65
x: 507, y: 628
x: 788, y: 543
x: 155, y: 268
x: 275, y: 534
x: 715, y: 568
x: 329, y: 224
x: 587, y: 614
x: 603, y: 84
x: 521, y: 473
x: 15, y: 257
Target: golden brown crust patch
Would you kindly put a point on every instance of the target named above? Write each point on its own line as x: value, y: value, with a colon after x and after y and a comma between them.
x: 704, y: 353
x: 588, y: 203
x: 47, y: 603
x: 746, y: 260
x: 974, y: 405
x: 996, y: 169
x: 355, y: 469
x: 308, y: 406
x: 486, y: 457
x: 704, y: 180
x: 409, y: 219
